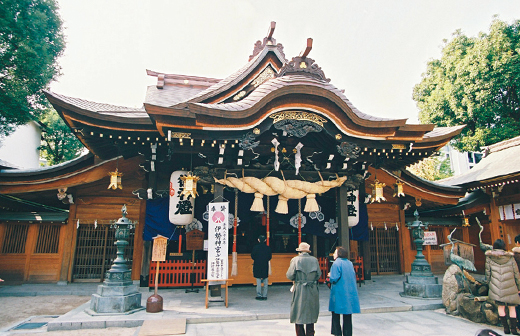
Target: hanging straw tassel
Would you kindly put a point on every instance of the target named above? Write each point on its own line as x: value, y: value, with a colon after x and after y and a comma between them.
x: 258, y: 203
x: 282, y: 207
x: 311, y: 204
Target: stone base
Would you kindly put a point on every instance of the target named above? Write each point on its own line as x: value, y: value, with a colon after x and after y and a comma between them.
x: 422, y: 287
x: 115, y: 300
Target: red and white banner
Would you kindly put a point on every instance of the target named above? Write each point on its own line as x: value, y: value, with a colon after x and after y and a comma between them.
x: 218, y: 241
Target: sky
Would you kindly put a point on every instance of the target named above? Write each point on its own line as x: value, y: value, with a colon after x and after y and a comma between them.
x: 375, y: 50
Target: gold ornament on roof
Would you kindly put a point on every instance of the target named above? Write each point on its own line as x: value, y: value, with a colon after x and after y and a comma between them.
x: 180, y: 135
x: 267, y: 74
x: 190, y: 185
x: 298, y: 115
x: 115, y: 180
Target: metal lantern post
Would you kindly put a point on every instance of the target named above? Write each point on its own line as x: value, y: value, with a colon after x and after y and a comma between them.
x: 420, y: 282
x: 420, y: 266
x: 119, y: 272
x: 117, y: 294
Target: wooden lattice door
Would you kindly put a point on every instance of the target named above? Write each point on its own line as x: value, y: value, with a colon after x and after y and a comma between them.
x: 95, y: 252
x: 384, y: 250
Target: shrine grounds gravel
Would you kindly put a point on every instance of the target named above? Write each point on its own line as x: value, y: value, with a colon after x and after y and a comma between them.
x: 14, y: 309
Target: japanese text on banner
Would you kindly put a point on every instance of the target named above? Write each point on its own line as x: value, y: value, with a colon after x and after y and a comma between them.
x: 218, y: 241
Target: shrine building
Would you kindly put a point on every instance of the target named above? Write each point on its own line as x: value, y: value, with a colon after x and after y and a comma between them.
x: 293, y: 157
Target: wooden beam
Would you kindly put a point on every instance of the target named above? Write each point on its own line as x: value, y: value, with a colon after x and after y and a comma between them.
x: 271, y: 30
x: 307, y: 49
x: 71, y: 179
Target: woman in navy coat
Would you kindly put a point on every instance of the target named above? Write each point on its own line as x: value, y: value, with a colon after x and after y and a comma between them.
x: 344, y: 299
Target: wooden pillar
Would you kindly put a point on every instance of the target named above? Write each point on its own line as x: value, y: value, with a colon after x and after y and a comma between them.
x: 365, y: 245
x: 145, y: 265
x: 343, y: 228
x: 68, y: 245
x: 138, y: 256
x: 495, y: 226
x: 367, y: 258
x: 407, y: 255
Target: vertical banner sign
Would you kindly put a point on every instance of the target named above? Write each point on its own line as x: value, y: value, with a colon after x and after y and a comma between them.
x: 353, y: 207
x: 181, y: 206
x: 218, y: 241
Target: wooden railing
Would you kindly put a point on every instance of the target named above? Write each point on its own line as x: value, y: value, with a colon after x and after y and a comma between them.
x: 360, y: 270
x: 324, y: 266
x: 177, y: 273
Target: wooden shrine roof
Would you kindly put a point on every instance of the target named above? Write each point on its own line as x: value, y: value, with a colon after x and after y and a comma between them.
x: 501, y: 163
x: 244, y: 105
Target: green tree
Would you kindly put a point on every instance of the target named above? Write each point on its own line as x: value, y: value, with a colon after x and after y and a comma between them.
x: 432, y: 168
x: 31, y: 40
x: 58, y: 143
x: 476, y: 82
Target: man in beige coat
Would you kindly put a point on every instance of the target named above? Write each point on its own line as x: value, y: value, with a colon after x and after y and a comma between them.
x: 304, y: 271
x: 503, y: 279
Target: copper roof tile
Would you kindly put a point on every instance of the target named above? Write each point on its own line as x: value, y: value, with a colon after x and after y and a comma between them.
x: 130, y: 112
x: 169, y: 95
x: 238, y: 75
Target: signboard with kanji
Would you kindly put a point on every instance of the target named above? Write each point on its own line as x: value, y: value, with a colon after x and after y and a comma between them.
x: 218, y: 241
x: 159, y: 248
x: 430, y: 238
x: 194, y: 240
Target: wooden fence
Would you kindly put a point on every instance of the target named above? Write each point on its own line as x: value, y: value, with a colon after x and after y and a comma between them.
x: 177, y: 273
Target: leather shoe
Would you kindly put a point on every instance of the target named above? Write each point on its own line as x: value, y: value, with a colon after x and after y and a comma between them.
x: 258, y: 298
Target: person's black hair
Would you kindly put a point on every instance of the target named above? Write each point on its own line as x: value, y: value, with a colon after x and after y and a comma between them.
x: 261, y: 238
x: 517, y: 239
x: 499, y: 244
x: 342, y: 252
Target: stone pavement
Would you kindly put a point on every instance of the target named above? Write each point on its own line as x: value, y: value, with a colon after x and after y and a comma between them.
x: 379, y: 295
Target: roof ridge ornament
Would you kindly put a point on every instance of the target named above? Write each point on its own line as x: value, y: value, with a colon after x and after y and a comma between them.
x: 268, y: 40
x: 304, y: 65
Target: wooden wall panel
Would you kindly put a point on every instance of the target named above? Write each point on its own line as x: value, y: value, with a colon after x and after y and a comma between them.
x: 44, y: 268
x: 12, y: 267
x: 383, y: 212
x: 279, y: 266
x: 107, y: 210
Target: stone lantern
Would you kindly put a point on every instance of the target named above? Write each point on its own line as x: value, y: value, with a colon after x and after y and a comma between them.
x: 117, y: 294
x: 420, y: 282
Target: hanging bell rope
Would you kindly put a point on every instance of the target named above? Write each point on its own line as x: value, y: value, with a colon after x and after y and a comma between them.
x: 290, y: 189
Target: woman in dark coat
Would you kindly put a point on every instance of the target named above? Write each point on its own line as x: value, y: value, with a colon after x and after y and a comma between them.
x: 261, y: 255
x: 304, y: 271
x: 344, y: 299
